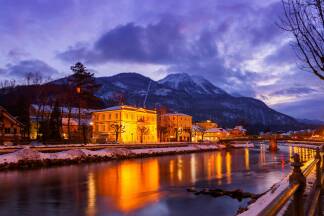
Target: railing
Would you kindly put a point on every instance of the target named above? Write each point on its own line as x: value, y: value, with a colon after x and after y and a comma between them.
x: 297, y: 184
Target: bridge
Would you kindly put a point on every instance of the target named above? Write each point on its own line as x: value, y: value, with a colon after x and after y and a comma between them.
x: 272, y: 141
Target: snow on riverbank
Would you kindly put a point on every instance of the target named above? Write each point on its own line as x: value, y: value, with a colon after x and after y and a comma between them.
x: 242, y: 145
x: 28, y: 154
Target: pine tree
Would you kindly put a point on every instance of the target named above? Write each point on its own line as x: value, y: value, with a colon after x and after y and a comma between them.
x: 83, y: 81
x: 85, y: 86
x: 55, y: 123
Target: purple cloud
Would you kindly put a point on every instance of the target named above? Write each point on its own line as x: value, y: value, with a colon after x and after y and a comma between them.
x: 20, y: 69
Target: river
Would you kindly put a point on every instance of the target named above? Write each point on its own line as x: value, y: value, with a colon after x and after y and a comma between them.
x: 151, y: 186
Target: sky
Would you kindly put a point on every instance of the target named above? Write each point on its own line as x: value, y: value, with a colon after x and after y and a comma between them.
x: 236, y: 44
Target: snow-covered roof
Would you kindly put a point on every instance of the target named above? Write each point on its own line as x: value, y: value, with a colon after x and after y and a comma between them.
x: 196, y: 128
x: 176, y: 114
x: 74, y: 110
x: 9, y: 116
x: 125, y: 107
x: 216, y: 130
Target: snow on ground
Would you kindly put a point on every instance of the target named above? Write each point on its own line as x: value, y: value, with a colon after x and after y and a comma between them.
x: 243, y: 145
x: 28, y: 154
x: 266, y: 199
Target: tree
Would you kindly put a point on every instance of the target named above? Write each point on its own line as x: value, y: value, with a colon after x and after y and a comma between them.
x: 304, y: 19
x: 200, y: 130
x: 178, y: 132
x: 188, y: 131
x: 69, y: 100
x: 55, y: 123
x: 1, y: 126
x: 85, y: 86
x: 118, y: 129
x: 83, y: 81
x: 143, y: 130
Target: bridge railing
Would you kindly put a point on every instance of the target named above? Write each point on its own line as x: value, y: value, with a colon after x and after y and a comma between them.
x: 295, y: 191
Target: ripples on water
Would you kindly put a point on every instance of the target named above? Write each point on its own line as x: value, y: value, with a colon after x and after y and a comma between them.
x: 151, y: 186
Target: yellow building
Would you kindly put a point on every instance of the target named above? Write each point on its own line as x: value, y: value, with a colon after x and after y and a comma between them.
x: 175, y: 127
x: 10, y: 128
x: 207, y: 131
x: 124, y: 124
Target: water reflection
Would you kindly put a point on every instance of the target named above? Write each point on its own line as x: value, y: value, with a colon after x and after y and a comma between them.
x: 131, y: 187
x: 131, y: 184
x: 305, y: 154
x: 91, y: 203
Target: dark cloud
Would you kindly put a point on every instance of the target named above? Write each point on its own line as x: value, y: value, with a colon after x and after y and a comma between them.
x: 20, y: 69
x: 155, y: 43
x: 236, y: 44
x: 309, y: 108
x: 295, y: 91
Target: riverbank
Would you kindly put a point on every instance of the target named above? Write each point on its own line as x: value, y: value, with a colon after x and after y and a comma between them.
x: 28, y: 158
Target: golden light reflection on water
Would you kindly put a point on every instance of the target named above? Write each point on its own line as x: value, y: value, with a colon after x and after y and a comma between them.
x: 218, y: 163
x: 305, y: 154
x: 91, y: 202
x: 247, y: 158
x: 131, y: 184
x: 193, y: 171
x: 228, y: 167
x: 262, y: 157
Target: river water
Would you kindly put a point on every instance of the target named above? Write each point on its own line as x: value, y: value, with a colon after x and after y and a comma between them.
x: 151, y: 186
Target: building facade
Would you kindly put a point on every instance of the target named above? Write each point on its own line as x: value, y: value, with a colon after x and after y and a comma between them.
x: 175, y: 127
x: 208, y: 131
x: 10, y: 128
x: 237, y: 131
x: 124, y: 124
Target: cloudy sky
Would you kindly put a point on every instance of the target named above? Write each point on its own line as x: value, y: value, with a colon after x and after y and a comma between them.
x: 236, y: 44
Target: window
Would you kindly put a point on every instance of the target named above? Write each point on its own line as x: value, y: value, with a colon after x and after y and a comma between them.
x: 116, y: 115
x: 7, y: 130
x: 103, y: 117
x: 109, y: 116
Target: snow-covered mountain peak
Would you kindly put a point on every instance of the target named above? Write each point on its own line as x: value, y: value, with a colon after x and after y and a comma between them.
x: 192, y: 84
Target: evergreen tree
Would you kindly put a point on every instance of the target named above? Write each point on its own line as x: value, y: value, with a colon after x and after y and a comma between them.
x: 85, y: 85
x: 55, y: 123
x: 83, y: 81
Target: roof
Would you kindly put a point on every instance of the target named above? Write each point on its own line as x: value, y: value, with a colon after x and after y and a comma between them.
x: 175, y: 114
x: 74, y: 110
x: 215, y: 130
x: 9, y: 116
x: 125, y: 107
x: 196, y: 128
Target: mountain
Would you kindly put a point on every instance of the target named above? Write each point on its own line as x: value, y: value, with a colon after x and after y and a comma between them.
x: 194, y: 85
x: 198, y: 97
x: 192, y: 95
x: 311, y: 122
